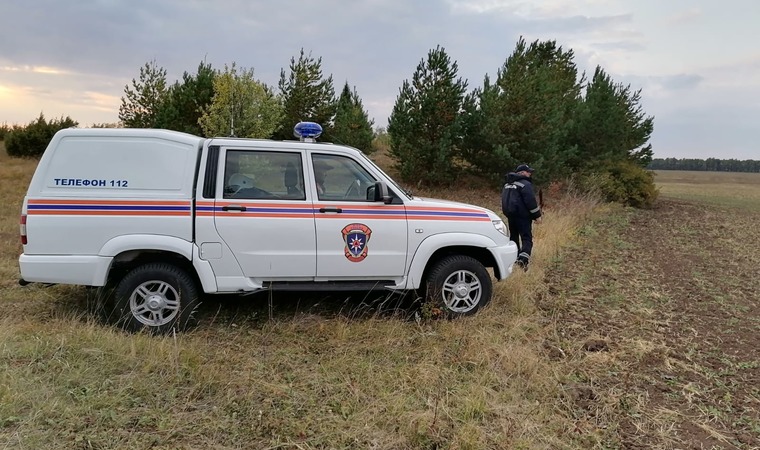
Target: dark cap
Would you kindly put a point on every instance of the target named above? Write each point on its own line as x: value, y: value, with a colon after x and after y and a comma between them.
x: 524, y: 167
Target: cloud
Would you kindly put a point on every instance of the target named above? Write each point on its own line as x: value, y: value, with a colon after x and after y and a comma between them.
x: 74, y: 58
x: 631, y: 46
x: 683, y: 17
x: 681, y: 81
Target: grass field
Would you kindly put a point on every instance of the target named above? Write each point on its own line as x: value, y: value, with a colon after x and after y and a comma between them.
x: 717, y: 188
x: 633, y: 329
x: 307, y: 372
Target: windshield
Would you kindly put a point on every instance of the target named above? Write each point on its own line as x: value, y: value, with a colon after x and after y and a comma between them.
x: 393, y: 182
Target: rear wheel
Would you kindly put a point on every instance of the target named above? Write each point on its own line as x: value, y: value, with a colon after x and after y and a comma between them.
x: 157, y: 297
x: 458, y: 285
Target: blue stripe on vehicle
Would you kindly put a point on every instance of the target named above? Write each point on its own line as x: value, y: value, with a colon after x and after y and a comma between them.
x: 445, y: 213
x: 274, y: 210
x: 110, y: 207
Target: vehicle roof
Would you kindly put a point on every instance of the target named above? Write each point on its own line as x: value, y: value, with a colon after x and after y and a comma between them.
x: 132, y: 132
x: 289, y: 144
x: 193, y: 139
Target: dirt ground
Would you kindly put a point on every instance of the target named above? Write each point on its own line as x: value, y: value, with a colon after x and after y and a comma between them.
x: 659, y: 319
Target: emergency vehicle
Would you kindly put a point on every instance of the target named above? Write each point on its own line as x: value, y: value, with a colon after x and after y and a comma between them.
x: 161, y: 217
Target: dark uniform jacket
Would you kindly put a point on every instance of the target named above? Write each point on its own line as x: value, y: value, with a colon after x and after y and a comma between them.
x: 518, y: 199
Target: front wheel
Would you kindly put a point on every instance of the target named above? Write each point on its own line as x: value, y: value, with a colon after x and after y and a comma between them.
x: 156, y: 297
x: 458, y: 285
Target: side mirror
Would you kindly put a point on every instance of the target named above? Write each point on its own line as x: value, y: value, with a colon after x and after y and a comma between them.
x: 378, y: 192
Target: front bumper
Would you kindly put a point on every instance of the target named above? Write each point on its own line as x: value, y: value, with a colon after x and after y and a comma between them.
x: 505, y: 256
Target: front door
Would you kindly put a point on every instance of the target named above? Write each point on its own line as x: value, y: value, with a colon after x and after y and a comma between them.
x: 356, y: 238
x: 263, y: 215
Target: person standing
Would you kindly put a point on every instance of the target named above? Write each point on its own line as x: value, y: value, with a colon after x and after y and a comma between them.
x: 519, y: 205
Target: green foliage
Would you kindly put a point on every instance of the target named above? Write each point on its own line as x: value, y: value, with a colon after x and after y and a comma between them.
x: 426, y: 125
x: 352, y: 125
x: 4, y: 129
x: 144, y: 100
x: 33, y: 139
x: 186, y: 101
x: 611, y: 125
x: 242, y: 106
x: 306, y: 96
x: 526, y: 115
x: 623, y: 182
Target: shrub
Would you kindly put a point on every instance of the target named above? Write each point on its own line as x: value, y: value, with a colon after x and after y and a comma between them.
x: 623, y: 182
x: 4, y: 128
x: 32, y: 140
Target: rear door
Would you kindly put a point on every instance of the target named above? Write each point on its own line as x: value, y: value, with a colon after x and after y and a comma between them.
x: 262, y: 213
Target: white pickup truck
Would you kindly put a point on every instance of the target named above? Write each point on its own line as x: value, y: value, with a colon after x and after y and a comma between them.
x: 163, y: 216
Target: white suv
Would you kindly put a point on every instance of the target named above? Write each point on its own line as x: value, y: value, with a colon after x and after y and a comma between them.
x: 162, y: 215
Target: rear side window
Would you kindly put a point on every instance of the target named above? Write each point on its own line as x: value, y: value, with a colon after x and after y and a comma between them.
x: 263, y: 175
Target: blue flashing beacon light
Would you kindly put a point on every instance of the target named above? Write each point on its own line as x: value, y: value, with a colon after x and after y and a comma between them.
x: 307, y: 131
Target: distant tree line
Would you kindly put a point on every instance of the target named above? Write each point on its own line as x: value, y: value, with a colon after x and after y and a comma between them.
x: 538, y: 109
x: 709, y: 164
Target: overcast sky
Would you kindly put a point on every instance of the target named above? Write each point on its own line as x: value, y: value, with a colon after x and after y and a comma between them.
x: 697, y: 62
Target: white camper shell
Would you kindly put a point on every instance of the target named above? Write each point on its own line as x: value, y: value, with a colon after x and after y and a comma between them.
x: 162, y: 216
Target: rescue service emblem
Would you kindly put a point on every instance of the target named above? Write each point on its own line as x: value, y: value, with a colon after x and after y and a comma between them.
x: 356, y: 236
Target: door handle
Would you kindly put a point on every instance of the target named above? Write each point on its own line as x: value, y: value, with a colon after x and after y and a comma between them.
x: 233, y: 208
x: 327, y: 210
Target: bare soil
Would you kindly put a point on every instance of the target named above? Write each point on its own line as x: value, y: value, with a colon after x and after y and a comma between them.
x: 658, y: 316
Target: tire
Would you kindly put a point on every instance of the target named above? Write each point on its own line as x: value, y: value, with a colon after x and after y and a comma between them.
x: 156, y: 297
x: 458, y: 286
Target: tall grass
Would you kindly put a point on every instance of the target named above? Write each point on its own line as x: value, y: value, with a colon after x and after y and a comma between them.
x: 314, y: 372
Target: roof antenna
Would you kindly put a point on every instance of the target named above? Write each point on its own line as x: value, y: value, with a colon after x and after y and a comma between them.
x: 232, y: 115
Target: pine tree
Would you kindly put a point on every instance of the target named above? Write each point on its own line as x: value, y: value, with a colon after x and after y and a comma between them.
x: 145, y: 98
x: 352, y: 125
x: 426, y: 124
x: 306, y: 96
x: 242, y: 106
x: 526, y: 116
x: 186, y: 101
x: 611, y: 124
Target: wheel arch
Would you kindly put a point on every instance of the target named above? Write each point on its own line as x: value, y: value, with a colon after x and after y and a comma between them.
x: 127, y: 260
x: 482, y: 255
x: 129, y: 251
x: 439, y: 246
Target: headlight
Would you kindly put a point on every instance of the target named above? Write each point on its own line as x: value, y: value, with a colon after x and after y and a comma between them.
x: 500, y: 227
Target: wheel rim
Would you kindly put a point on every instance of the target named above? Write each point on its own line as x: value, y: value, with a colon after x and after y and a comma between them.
x: 462, y: 291
x: 154, y: 303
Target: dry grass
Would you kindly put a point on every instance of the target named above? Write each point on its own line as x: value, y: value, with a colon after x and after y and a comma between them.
x: 312, y: 372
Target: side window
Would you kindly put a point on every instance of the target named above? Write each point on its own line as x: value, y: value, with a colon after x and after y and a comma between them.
x: 259, y: 175
x: 340, y: 178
